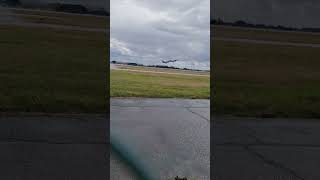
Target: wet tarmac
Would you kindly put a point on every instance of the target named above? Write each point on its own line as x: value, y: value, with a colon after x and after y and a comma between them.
x: 164, y: 137
x: 49, y: 147
x: 265, y: 149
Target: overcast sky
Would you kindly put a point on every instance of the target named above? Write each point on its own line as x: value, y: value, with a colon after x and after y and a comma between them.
x: 297, y: 13
x: 147, y: 32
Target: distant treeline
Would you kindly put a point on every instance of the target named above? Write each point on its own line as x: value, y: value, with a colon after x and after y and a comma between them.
x: 171, y: 67
x: 156, y: 66
x: 60, y: 7
x: 241, y: 23
x: 76, y: 8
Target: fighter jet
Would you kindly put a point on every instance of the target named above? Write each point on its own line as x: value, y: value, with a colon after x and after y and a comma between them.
x: 165, y: 62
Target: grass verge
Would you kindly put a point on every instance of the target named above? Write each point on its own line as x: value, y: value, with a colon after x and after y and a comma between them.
x: 52, y: 70
x: 265, y: 80
x: 141, y: 84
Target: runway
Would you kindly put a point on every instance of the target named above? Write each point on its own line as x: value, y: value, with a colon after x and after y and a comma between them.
x: 10, y: 18
x: 55, y: 26
x: 277, y: 43
x: 183, y: 73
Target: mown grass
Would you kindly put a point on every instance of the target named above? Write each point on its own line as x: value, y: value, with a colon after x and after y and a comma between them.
x: 51, y: 17
x: 265, y: 80
x: 47, y: 70
x: 137, y: 84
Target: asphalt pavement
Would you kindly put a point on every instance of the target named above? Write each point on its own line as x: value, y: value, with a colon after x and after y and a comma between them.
x: 52, y: 147
x: 254, y: 41
x: 164, y: 138
x: 265, y: 149
x: 54, y: 26
x: 9, y: 18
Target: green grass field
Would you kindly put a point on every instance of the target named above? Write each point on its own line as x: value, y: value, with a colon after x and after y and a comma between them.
x: 138, y: 84
x: 47, y: 17
x: 265, y: 80
x: 65, y: 71
x: 50, y: 70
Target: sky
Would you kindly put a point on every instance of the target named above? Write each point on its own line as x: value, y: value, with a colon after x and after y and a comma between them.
x: 294, y: 13
x: 146, y: 32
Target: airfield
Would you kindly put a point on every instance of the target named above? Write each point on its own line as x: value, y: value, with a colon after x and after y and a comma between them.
x: 161, y: 117
x: 53, y: 95
x: 50, y: 59
x: 63, y: 61
x: 265, y: 73
x: 265, y: 113
x: 269, y: 78
x: 149, y: 82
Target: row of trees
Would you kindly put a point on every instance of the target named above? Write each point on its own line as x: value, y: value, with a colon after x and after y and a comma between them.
x: 72, y: 8
x: 156, y: 66
x: 241, y: 23
x: 77, y: 8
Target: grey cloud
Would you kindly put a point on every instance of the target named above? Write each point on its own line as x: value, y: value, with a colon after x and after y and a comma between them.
x: 169, y: 5
x: 154, y: 31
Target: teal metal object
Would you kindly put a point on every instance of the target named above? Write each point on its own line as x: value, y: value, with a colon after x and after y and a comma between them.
x: 130, y: 158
